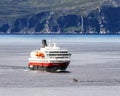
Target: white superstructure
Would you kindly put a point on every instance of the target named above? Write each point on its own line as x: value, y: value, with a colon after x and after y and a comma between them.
x: 49, y: 57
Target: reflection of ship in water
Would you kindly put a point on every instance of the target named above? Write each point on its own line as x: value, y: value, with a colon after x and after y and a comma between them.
x: 49, y: 58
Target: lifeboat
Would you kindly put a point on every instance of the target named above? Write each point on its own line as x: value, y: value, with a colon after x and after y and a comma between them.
x: 49, y: 58
x: 38, y: 54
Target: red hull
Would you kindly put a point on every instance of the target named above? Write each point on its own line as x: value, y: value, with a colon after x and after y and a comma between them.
x: 48, y: 66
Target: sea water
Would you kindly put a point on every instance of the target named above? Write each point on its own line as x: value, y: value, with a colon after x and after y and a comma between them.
x: 95, y: 63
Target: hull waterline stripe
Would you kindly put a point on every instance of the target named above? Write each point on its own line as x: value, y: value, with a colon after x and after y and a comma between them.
x: 47, y: 64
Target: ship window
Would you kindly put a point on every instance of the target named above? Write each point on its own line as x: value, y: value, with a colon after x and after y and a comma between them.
x: 58, y: 52
x: 63, y: 52
x: 54, y: 52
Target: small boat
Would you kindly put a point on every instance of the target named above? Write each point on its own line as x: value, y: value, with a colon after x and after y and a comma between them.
x: 49, y: 58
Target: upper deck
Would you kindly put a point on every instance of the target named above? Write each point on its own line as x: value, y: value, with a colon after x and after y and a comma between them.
x: 51, y: 51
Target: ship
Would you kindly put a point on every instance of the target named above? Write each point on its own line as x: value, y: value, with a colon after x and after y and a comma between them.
x: 49, y: 58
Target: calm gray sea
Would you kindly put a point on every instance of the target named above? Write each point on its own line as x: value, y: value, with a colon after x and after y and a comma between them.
x: 92, y: 63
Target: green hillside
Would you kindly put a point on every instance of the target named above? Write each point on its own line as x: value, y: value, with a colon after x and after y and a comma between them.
x: 59, y: 17
x: 15, y: 8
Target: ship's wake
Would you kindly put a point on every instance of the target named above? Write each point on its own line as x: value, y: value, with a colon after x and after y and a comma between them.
x: 25, y: 68
x: 9, y: 67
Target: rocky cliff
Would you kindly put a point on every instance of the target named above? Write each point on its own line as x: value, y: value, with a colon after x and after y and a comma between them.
x: 104, y: 19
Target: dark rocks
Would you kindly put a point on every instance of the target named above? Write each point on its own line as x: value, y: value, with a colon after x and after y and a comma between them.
x: 103, y: 20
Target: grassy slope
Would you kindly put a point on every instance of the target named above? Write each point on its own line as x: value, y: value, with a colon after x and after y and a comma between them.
x: 15, y: 8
